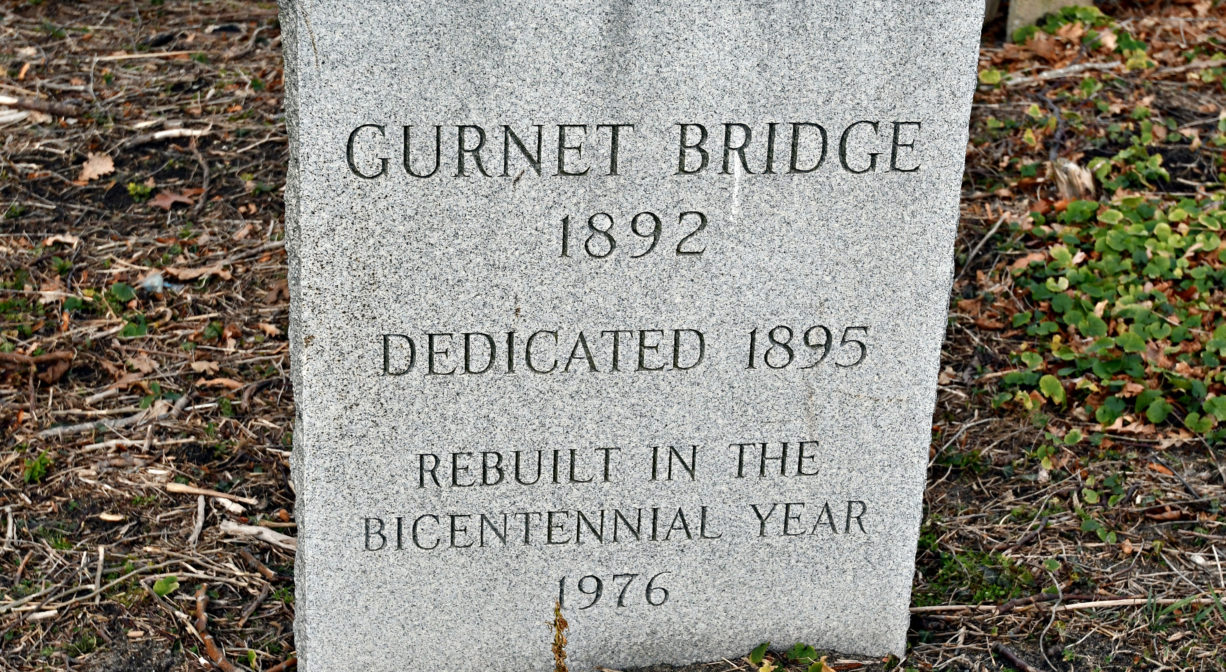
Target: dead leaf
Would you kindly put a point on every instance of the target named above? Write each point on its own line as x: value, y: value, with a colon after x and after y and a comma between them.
x: 110, y: 517
x: 96, y: 165
x: 143, y: 363
x: 1072, y: 181
x: 1166, y: 515
x: 55, y: 370
x: 243, y: 232
x: 971, y: 307
x: 228, y: 383
x: 193, y: 273
x: 1045, y: 46
x: 1072, y: 31
x: 167, y: 200
x: 127, y: 380
x: 205, y: 366
x: 1154, y: 466
x: 989, y: 324
x: 1154, y: 355
x: 1106, y: 41
x: 1025, y: 261
x: 66, y: 238
x: 51, y: 291
x: 1131, y: 389
x: 277, y: 293
x: 268, y: 329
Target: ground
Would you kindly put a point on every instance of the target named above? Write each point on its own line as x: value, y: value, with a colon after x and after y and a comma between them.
x: 1073, y: 519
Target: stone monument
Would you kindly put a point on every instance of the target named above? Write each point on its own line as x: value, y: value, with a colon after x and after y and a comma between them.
x: 634, y: 308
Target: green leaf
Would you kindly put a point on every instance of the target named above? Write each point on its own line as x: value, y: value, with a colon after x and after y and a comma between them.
x: 1217, y: 407
x: 166, y: 585
x: 756, y: 656
x: 122, y: 293
x: 1051, y: 388
x: 1158, y: 411
x: 1032, y: 360
x: 1130, y: 341
x: 1198, y: 424
x: 1112, y: 409
x: 1080, y: 211
x: 801, y: 652
x: 135, y: 327
x: 991, y: 76
x: 1090, y: 495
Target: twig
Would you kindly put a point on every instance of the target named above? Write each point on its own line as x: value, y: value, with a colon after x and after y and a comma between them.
x: 262, y: 533
x: 1036, y: 599
x: 259, y: 566
x: 98, y: 573
x: 144, y: 416
x: 1026, y: 538
x: 971, y: 257
x: 255, y: 604
x: 1186, y: 485
x: 1138, y: 602
x: 19, y: 360
x: 168, y: 134
x: 202, y: 624
x: 160, y: 54
x: 191, y: 541
x: 1014, y: 660
x: 282, y: 667
x: 45, y: 106
x: 1194, y: 65
x: 1061, y: 72
x: 953, y: 607
x: 185, y: 489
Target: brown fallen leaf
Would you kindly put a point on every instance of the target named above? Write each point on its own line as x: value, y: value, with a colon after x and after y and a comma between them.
x: 228, y: 383
x: 143, y: 363
x: 52, y: 290
x: 1025, y: 261
x: 167, y: 199
x: 268, y: 329
x: 1045, y: 46
x: 971, y: 307
x: 65, y: 238
x: 277, y: 293
x: 1072, y: 181
x: 205, y: 366
x: 193, y: 273
x: 1107, y: 41
x: 127, y: 380
x: 55, y: 370
x: 1166, y: 514
x: 95, y: 166
x: 1154, y: 466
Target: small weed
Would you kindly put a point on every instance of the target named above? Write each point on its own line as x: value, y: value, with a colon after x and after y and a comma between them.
x: 139, y: 192
x: 36, y: 468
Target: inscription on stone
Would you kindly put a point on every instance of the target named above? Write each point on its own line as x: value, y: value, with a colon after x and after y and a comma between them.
x: 630, y: 308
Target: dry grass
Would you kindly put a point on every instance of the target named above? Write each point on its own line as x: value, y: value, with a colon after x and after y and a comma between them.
x: 144, y: 311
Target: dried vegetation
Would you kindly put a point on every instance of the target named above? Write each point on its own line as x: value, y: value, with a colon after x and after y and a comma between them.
x: 1074, y: 514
